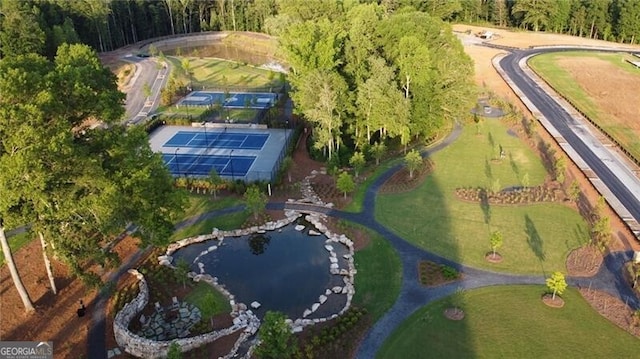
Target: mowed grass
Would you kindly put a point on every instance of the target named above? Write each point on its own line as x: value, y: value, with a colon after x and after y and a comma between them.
x: 379, y: 275
x: 537, y: 237
x: 209, y: 72
x: 510, y: 322
x: 200, y: 204
x: 564, y: 83
x: 209, y: 300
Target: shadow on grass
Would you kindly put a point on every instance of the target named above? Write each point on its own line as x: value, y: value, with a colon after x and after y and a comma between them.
x: 534, y: 240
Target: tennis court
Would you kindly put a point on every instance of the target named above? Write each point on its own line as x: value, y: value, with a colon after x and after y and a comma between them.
x: 237, y: 152
x: 201, y: 165
x: 252, y: 100
x: 218, y: 139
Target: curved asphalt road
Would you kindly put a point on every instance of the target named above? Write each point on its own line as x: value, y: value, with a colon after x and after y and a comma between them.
x: 562, y: 121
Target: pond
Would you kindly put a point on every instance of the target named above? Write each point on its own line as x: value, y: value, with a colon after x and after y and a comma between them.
x: 285, y: 270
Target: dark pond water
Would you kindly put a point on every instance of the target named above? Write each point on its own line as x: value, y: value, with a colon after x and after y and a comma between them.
x: 285, y: 271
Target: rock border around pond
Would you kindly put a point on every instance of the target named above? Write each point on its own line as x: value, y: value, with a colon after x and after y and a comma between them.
x: 240, y: 309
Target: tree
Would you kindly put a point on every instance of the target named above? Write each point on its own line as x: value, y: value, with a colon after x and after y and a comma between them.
x: 13, y: 270
x: 256, y: 200
x: 357, y: 161
x: 276, y: 339
x: 181, y: 271
x: 560, y: 166
x: 413, y: 161
x: 214, y: 180
x: 534, y: 13
x: 20, y: 32
x: 378, y: 150
x: 556, y: 283
x: 378, y: 100
x: 574, y: 191
x: 628, y: 26
x: 496, y: 241
x: 79, y: 187
x: 345, y: 183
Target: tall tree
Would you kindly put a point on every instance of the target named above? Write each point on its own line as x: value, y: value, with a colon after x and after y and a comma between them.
x: 13, y: 271
x: 533, y: 13
x: 323, y: 99
x: 380, y: 106
x: 628, y: 26
x: 20, y: 32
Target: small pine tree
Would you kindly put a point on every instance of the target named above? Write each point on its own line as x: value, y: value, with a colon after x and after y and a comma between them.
x: 556, y: 283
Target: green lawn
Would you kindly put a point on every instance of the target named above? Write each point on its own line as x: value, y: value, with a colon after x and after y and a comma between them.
x: 15, y: 243
x: 208, y: 300
x: 537, y: 237
x: 379, y: 276
x: 216, y: 73
x: 510, y: 322
x: 198, y: 204
x: 226, y: 223
x: 563, y: 82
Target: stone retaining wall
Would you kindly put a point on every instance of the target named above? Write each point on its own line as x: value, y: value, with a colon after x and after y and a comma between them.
x: 151, y: 349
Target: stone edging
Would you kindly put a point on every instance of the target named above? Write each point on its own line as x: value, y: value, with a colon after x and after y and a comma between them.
x: 239, y: 310
x: 152, y: 349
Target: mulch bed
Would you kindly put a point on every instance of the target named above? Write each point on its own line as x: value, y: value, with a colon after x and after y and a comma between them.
x: 493, y: 257
x: 431, y: 274
x: 550, y: 301
x: 402, y: 182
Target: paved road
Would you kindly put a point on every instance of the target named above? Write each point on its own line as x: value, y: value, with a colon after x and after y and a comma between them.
x: 623, y: 185
x: 148, y: 72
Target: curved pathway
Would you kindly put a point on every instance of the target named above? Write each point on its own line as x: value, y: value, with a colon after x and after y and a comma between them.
x: 412, y: 294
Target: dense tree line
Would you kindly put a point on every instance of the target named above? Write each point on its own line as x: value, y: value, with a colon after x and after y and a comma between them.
x: 109, y: 24
x: 362, y: 75
x: 612, y: 20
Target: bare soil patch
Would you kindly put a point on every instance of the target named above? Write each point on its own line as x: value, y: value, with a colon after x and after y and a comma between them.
x: 614, y: 90
x: 55, y: 318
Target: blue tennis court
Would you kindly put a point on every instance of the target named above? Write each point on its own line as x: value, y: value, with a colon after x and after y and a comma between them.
x: 201, y: 165
x: 257, y: 101
x: 217, y: 139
